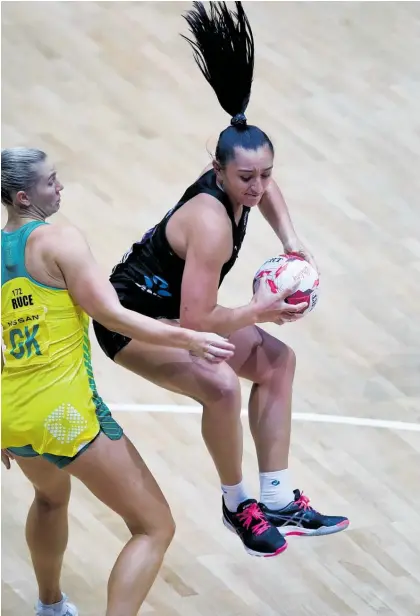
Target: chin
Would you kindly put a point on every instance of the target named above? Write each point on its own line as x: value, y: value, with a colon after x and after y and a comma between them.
x: 251, y: 201
x: 54, y: 209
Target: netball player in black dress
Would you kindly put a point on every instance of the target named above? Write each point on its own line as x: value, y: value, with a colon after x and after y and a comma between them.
x: 174, y: 273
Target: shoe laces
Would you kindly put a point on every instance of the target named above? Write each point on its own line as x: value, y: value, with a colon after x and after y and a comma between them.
x: 303, y: 502
x: 250, y: 516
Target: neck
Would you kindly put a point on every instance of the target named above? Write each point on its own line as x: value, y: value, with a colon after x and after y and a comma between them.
x: 236, y: 205
x: 237, y: 209
x: 15, y: 219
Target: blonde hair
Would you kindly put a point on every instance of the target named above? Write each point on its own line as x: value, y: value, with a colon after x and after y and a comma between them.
x: 18, y: 171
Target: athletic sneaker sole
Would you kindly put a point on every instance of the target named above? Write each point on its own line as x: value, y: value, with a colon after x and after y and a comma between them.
x: 289, y: 531
x: 248, y: 550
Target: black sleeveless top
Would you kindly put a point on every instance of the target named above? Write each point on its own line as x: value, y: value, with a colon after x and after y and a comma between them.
x: 148, y: 278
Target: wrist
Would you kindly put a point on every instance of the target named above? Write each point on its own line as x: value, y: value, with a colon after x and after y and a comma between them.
x: 253, y: 311
x: 187, y: 338
x: 290, y: 241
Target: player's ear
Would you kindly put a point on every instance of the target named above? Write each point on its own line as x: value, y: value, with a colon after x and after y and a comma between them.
x: 22, y: 199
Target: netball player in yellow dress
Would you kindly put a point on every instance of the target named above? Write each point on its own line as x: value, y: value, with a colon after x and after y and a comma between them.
x: 54, y: 423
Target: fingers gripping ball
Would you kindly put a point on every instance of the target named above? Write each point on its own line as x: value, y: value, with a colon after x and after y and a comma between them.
x: 285, y: 271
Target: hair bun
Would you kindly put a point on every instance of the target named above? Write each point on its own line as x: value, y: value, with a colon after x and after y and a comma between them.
x: 238, y: 120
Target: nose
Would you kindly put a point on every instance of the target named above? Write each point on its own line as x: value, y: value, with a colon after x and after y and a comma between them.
x: 59, y: 187
x: 257, y: 187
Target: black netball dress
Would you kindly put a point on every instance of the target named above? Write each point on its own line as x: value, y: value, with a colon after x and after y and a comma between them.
x: 148, y: 278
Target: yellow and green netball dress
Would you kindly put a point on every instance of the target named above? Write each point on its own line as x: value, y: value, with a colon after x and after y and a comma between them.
x: 50, y: 405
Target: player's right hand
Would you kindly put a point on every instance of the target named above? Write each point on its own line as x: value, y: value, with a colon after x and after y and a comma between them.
x: 212, y: 347
x: 271, y: 306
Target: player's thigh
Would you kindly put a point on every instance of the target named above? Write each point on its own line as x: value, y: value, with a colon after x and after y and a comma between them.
x: 178, y: 371
x: 51, y: 484
x: 258, y: 354
x: 116, y: 474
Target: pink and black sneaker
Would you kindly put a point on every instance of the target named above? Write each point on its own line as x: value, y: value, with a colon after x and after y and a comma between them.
x: 259, y: 536
x: 299, y: 518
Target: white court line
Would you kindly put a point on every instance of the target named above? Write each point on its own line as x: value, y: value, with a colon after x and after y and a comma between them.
x: 311, y: 417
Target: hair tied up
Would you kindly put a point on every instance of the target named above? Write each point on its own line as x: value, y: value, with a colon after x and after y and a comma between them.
x: 239, y: 120
x: 223, y: 48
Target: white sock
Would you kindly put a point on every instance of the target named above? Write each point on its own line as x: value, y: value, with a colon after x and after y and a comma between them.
x: 53, y: 609
x: 276, y: 489
x: 234, y: 496
x: 55, y: 606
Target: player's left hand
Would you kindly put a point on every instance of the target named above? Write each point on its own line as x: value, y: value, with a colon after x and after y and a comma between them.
x: 6, y: 456
x: 295, y: 245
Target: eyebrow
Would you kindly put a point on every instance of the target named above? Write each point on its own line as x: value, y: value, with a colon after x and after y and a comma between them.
x: 52, y: 174
x: 251, y: 170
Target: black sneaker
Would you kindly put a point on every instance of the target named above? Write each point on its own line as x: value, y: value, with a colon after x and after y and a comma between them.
x: 299, y: 518
x: 259, y: 536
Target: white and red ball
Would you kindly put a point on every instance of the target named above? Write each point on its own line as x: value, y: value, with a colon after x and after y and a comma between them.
x: 285, y: 271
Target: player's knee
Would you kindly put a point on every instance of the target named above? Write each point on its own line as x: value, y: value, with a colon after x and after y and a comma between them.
x: 164, y: 532
x: 54, y: 496
x: 289, y: 357
x: 282, y: 363
x: 283, y: 358
x: 168, y: 531
x: 161, y: 530
x: 222, y: 385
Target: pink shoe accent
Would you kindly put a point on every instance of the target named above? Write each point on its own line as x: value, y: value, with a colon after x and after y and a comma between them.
x: 299, y: 533
x: 303, y: 502
x: 251, y: 513
x: 295, y: 533
x: 277, y: 552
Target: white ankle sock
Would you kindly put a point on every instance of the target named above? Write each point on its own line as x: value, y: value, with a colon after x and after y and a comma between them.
x: 234, y: 496
x: 62, y: 608
x: 276, y: 489
x: 55, y: 607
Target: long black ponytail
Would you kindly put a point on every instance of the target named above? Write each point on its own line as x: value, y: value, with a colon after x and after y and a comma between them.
x: 224, y: 51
